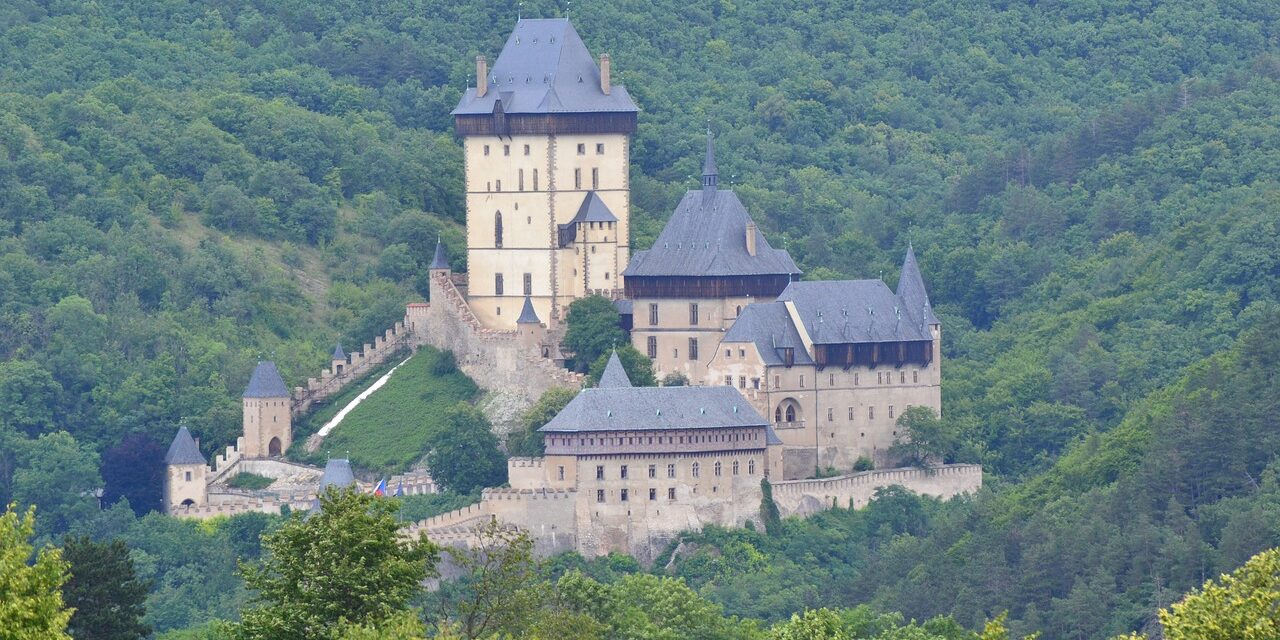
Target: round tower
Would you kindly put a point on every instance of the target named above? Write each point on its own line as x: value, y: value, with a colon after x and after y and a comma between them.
x: 268, y: 429
x: 186, y: 474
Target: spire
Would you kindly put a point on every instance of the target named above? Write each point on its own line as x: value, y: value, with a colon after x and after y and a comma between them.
x: 911, y: 289
x: 614, y: 375
x: 528, y: 315
x: 183, y: 449
x: 337, y: 473
x: 709, y: 175
x: 338, y: 353
x: 266, y: 382
x: 441, y: 259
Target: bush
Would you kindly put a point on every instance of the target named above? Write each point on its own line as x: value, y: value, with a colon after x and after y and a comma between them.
x: 863, y: 463
x: 251, y: 481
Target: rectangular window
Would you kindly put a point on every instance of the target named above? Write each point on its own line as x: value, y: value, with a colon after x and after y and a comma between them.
x: 497, y: 284
x: 497, y: 185
x: 855, y: 379
x: 890, y: 412
x: 802, y: 381
x: 742, y: 353
x: 653, y: 468
x: 595, y: 178
x: 850, y: 414
x: 599, y: 148
x: 693, y: 348
x: 561, y: 468
x: 871, y: 413
x: 693, y: 314
x: 830, y: 414
x: 582, y: 149
x: 675, y: 353
x: 600, y: 472
x: 526, y: 149
x: 915, y: 376
x: 742, y: 382
x: 671, y: 493
x: 777, y: 382
x: 652, y: 343
x: 623, y: 472
x: 521, y: 181
x: 755, y: 383
x: 624, y: 495
x: 188, y: 476
x: 535, y: 179
x: 671, y: 471
x: 831, y: 382
x: 653, y: 314
x: 902, y: 377
x: 528, y: 284
x: 599, y: 495
x: 728, y: 353
x: 653, y: 494
x: 486, y: 149
x: 577, y: 179
x: 728, y: 381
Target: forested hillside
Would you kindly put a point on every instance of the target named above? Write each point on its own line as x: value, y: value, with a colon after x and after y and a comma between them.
x: 1091, y: 188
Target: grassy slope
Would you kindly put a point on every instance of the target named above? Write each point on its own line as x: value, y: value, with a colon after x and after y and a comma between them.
x: 388, y: 430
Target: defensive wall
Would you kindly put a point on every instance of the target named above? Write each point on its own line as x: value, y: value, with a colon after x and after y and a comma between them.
x: 227, y: 501
x: 805, y: 497
x: 343, y: 372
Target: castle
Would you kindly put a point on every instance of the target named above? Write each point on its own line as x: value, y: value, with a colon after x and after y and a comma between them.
x: 788, y: 378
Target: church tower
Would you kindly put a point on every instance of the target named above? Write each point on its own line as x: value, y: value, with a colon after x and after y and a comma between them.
x: 268, y: 430
x: 546, y: 141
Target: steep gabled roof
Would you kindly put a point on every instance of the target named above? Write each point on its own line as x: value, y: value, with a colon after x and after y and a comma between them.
x: 183, y: 449
x: 843, y: 311
x: 527, y: 313
x: 593, y: 209
x: 441, y: 258
x: 915, y: 298
x: 654, y: 408
x: 337, y: 473
x: 769, y: 327
x: 338, y: 353
x: 266, y: 382
x: 545, y: 68
x: 614, y: 375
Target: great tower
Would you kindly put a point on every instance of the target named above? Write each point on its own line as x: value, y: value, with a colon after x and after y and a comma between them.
x: 546, y: 141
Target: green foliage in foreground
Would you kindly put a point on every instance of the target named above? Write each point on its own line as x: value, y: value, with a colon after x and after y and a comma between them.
x: 525, y: 440
x: 391, y: 429
x: 593, y: 330
x: 343, y: 564
x: 638, y: 367
x: 104, y: 591
x: 31, y: 603
x: 464, y: 455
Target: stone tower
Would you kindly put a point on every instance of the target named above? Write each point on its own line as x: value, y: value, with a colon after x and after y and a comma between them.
x: 268, y: 430
x: 546, y: 141
x: 185, y: 473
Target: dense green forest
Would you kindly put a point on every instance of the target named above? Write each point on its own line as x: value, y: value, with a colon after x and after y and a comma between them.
x: 186, y: 187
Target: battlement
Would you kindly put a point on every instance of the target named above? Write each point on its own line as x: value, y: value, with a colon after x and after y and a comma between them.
x: 803, y: 497
x: 341, y: 373
x: 522, y: 463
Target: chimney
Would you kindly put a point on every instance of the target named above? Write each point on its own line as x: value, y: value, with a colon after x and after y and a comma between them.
x: 605, y: 84
x: 482, y: 77
x: 751, y: 238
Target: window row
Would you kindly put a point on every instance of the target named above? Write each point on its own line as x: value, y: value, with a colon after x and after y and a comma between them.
x: 582, y: 149
x: 882, y: 377
x: 566, y: 441
x: 695, y: 470
x: 625, y: 495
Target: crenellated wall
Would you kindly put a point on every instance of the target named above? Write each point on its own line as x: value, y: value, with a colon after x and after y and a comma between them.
x: 805, y: 497
x: 341, y: 373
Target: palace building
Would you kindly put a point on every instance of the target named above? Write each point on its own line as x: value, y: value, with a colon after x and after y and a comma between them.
x: 546, y: 141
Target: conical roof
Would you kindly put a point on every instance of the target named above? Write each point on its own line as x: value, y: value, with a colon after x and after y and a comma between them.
x: 183, y: 449
x: 614, y: 374
x: 338, y: 353
x: 915, y: 299
x: 337, y: 473
x: 441, y: 259
x: 527, y: 314
x: 266, y: 382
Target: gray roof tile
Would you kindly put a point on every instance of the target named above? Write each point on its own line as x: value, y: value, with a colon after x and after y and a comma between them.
x: 654, y: 408
x: 266, y: 382
x: 337, y: 473
x: 842, y: 311
x: 911, y: 289
x: 338, y: 353
x: 769, y: 326
x: 545, y: 68
x: 441, y: 258
x: 593, y: 209
x: 527, y: 314
x: 614, y: 375
x: 183, y: 449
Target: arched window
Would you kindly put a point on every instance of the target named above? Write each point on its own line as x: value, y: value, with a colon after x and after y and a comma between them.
x: 497, y: 229
x: 751, y: 467
x: 777, y: 414
x: 735, y: 467
x: 791, y: 413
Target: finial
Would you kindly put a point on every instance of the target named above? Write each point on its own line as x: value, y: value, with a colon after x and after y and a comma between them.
x: 709, y: 174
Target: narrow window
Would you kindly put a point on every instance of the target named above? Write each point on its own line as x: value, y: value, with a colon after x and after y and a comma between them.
x: 599, y: 495
x: 497, y: 185
x: 671, y: 471
x: 653, y: 468
x: 599, y: 148
x: 696, y: 469
x: 735, y: 467
x: 850, y: 414
x: 831, y: 382
x: 777, y: 382
x: 717, y: 468
x: 675, y: 352
x: 535, y: 179
x: 915, y: 377
x: 855, y: 379
x: 506, y: 149
x: 188, y: 476
x: 528, y: 284
x: 693, y: 314
x: 751, y: 467
x: 830, y: 414
x: 526, y: 149
x: 742, y: 382
x: 653, y: 494
x: 652, y: 343
x: 624, y: 495
x: 742, y: 353
x: 497, y: 284
x: 902, y: 377
x: 671, y: 493
x: 755, y: 383
x: 497, y: 230
x: 871, y: 413
x: 623, y: 472
x: 802, y: 381
x: 582, y: 149
x: 693, y: 348
x: 521, y: 174
x: 600, y: 472
x: 595, y: 178
x: 653, y: 314
x: 890, y: 412
x: 577, y: 179
x: 486, y: 149
x: 791, y: 413
x: 728, y: 353
x: 561, y: 468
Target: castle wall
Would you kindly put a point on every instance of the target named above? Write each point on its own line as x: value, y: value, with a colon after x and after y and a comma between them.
x: 674, y: 328
x: 183, y: 482
x: 806, y: 497
x: 267, y: 427
x: 341, y: 373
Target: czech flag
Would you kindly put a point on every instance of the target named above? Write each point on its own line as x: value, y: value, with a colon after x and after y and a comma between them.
x: 381, y: 488
x: 400, y: 489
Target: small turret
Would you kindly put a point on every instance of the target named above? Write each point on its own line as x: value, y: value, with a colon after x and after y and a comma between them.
x: 186, y: 472
x: 911, y: 290
x: 710, y: 176
x: 532, y: 332
x: 338, y: 359
x: 615, y: 375
x: 268, y: 428
x: 337, y: 473
x: 440, y: 261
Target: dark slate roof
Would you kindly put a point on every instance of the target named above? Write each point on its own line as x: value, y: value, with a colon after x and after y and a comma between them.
x: 643, y: 408
x: 183, y: 449
x: 770, y: 436
x: 593, y: 209
x: 527, y: 314
x: 839, y: 311
x: 769, y: 326
x: 623, y: 307
x: 338, y: 353
x: 545, y: 68
x: 707, y: 236
x: 337, y: 473
x: 441, y: 259
x: 614, y: 375
x: 266, y: 382
x: 912, y: 291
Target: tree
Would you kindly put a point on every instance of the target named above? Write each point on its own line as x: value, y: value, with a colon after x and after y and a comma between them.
x: 344, y: 563
x: 1242, y: 605
x: 134, y: 470
x: 464, y: 454
x: 29, y: 397
x: 108, y: 598
x: 922, y: 437
x: 676, y: 379
x: 769, y: 513
x: 526, y: 441
x: 812, y: 624
x: 31, y: 604
x: 638, y: 367
x: 499, y: 591
x: 60, y: 476
x: 593, y: 329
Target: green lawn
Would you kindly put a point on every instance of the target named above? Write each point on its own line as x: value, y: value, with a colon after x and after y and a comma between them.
x: 246, y: 480
x: 388, y: 431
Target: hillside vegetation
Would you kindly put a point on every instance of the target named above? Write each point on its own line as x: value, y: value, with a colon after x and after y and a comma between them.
x: 186, y: 187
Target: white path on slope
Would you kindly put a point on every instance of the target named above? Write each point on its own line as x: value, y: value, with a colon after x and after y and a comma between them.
x: 333, y: 422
